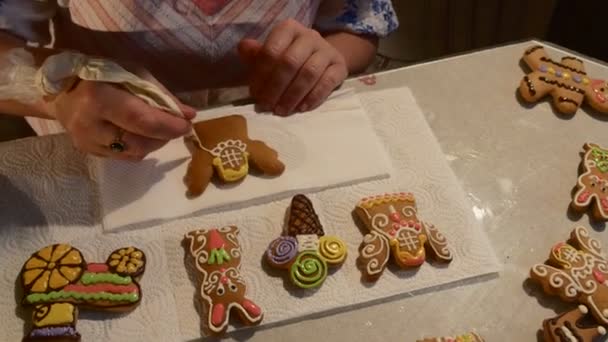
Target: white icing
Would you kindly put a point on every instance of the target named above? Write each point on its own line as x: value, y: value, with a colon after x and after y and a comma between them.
x: 377, y: 254
x: 601, y: 330
x: 307, y: 242
x: 583, y: 309
x: 568, y: 334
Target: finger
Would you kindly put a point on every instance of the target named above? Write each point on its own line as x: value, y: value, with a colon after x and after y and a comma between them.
x: 303, y: 83
x: 275, y: 45
x: 286, y: 70
x: 331, y: 79
x: 137, y: 147
x: 188, y: 112
x: 248, y: 50
x: 142, y: 119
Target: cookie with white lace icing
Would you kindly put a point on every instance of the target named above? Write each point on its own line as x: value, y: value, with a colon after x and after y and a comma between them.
x: 395, y: 229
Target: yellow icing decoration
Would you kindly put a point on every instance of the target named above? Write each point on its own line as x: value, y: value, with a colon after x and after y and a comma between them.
x: 29, y: 276
x: 332, y: 249
x: 54, y: 314
x: 70, y: 273
x: 231, y: 175
x: 41, y: 283
x: 585, y: 81
x: 45, y: 253
x: 566, y: 76
x: 551, y: 71
x: 35, y: 263
x: 56, y: 280
x: 373, y: 201
x: 127, y: 261
x: 72, y: 258
x: 60, y: 251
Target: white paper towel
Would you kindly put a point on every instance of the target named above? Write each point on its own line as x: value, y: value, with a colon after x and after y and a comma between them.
x: 52, y: 175
x: 320, y: 149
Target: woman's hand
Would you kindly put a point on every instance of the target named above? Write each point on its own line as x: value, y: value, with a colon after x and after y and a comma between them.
x: 96, y: 113
x: 295, y: 69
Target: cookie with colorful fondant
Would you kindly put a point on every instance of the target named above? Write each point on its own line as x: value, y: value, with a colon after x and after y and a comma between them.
x: 226, y: 150
x: 57, y: 281
x: 470, y: 337
x: 566, y: 81
x: 592, y: 184
x: 576, y: 325
x: 217, y: 257
x: 394, y: 228
x: 304, y: 249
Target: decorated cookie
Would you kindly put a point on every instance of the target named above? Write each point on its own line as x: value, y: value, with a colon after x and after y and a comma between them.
x: 226, y: 150
x: 576, y: 325
x: 470, y: 337
x: 304, y: 249
x: 566, y: 81
x: 576, y: 271
x: 394, y: 228
x: 592, y: 185
x: 217, y: 256
x: 57, y: 280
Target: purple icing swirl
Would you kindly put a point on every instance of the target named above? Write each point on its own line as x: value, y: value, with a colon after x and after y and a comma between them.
x: 54, y: 332
x: 282, y: 250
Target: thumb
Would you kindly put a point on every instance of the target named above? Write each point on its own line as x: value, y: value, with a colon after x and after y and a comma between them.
x: 189, y: 112
x: 248, y: 50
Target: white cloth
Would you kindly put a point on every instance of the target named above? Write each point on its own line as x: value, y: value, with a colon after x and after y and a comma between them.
x: 331, y: 146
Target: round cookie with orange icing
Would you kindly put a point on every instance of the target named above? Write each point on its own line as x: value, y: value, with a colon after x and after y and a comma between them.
x: 57, y: 280
x: 592, y: 184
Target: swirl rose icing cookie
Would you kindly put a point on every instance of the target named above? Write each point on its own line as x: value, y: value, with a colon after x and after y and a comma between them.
x: 576, y: 272
x: 394, y: 228
x: 592, y: 185
x: 566, y: 81
x: 57, y: 280
x: 217, y: 256
x: 304, y: 249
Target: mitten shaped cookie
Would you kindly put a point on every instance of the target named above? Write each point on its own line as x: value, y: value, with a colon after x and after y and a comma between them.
x: 304, y: 249
x: 576, y: 271
x: 575, y: 325
x: 592, y: 185
x: 566, y: 81
x: 217, y: 256
x: 226, y: 150
x: 394, y: 228
x: 57, y: 280
x: 470, y: 337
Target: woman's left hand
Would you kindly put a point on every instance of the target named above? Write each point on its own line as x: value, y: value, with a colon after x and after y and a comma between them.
x: 295, y: 69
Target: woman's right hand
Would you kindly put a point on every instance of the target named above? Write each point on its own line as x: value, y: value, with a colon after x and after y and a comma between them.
x: 95, y: 114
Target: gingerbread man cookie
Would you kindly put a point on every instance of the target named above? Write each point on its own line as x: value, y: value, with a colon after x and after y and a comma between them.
x: 217, y: 256
x: 57, y: 280
x: 592, y: 185
x: 576, y: 325
x: 304, y: 249
x: 470, y: 337
x: 394, y: 228
x: 576, y: 271
x: 226, y: 150
x: 566, y: 81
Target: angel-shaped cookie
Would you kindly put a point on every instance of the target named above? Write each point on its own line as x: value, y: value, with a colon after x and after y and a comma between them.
x: 592, y: 185
x: 217, y: 256
x: 576, y: 271
x: 575, y: 325
x: 566, y: 81
x: 395, y: 229
x: 304, y: 249
x: 226, y: 148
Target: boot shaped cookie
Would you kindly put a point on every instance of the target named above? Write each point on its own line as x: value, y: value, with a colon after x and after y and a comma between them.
x: 576, y: 325
x: 576, y: 271
x: 57, y: 280
x: 304, y: 249
x: 470, y: 337
x: 217, y: 256
x: 566, y: 81
x: 227, y: 151
x: 395, y: 229
x: 592, y: 185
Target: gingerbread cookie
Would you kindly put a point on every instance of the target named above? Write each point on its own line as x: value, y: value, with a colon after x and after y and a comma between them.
x: 592, y: 185
x: 226, y: 150
x: 217, y: 255
x: 394, y: 228
x: 470, y: 337
x: 576, y: 271
x: 576, y: 325
x: 57, y: 280
x: 566, y: 81
x: 304, y: 249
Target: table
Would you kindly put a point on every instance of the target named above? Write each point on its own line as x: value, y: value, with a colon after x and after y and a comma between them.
x: 517, y: 165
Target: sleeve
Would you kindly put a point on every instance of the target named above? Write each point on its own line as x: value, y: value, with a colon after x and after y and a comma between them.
x: 368, y: 17
x: 27, y: 19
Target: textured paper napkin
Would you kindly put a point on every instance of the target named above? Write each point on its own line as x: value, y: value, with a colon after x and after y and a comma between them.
x: 320, y: 149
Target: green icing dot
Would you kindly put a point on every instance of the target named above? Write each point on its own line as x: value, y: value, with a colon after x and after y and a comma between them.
x: 53, y: 296
x: 94, y: 278
x: 600, y: 157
